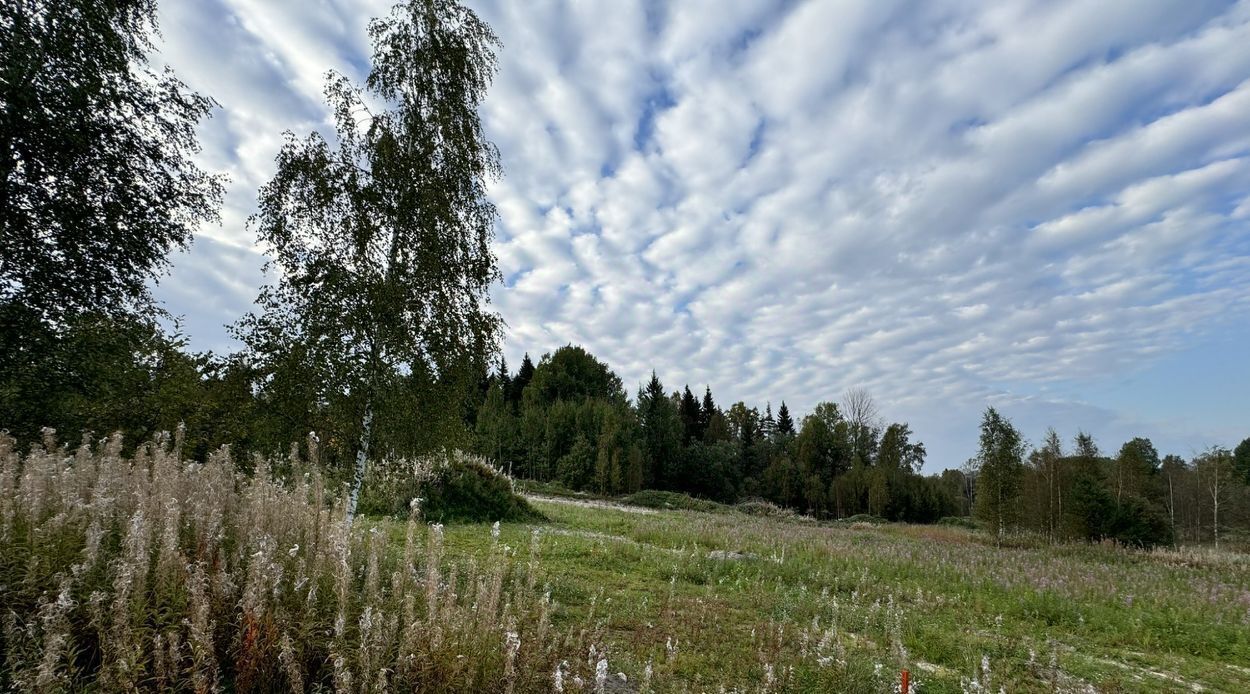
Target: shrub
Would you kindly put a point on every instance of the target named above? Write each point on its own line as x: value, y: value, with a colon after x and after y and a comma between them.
x: 863, y: 518
x: 450, y: 487
x: 958, y: 522
x: 654, y: 498
x: 767, y: 509
x: 469, y: 489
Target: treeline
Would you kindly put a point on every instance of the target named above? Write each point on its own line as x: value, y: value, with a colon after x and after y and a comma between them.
x: 97, y: 373
x: 1134, y: 496
x: 376, y: 333
x: 569, y: 420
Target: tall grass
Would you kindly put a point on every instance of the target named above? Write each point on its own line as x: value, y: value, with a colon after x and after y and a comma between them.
x: 150, y: 572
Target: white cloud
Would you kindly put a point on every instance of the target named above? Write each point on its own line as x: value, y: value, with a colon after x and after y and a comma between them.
x: 949, y: 203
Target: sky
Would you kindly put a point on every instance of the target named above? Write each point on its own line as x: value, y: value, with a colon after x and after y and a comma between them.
x: 1040, y: 206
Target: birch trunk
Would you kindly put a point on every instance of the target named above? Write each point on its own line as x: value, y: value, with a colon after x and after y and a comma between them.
x: 362, y: 461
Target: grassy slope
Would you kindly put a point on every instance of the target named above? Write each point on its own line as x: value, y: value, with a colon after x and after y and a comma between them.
x: 1116, y: 620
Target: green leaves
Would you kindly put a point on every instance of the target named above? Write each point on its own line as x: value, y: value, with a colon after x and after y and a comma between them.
x: 97, y: 182
x: 380, y: 239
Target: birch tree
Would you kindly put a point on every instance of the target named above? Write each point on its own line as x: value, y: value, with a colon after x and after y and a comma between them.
x: 1214, y: 469
x: 1000, y: 468
x: 380, y: 237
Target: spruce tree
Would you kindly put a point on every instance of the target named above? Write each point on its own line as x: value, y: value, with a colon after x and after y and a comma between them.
x: 706, y: 412
x: 785, y: 424
x: 690, y: 416
x: 524, y: 375
x: 768, y: 425
x: 661, y: 432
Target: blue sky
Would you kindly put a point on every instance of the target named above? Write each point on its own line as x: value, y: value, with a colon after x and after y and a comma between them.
x: 1043, y: 206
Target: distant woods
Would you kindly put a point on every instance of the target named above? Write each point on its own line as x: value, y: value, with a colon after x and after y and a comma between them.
x: 568, y: 420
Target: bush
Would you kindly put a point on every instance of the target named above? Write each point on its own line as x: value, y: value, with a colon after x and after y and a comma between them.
x: 1137, y: 524
x: 766, y: 509
x: 867, y: 518
x: 452, y: 487
x: 654, y: 498
x: 958, y: 522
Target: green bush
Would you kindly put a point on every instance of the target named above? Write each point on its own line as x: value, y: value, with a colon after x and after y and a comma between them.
x: 654, y: 498
x: 767, y: 509
x: 863, y: 518
x: 958, y: 522
x: 452, y: 488
x: 469, y: 490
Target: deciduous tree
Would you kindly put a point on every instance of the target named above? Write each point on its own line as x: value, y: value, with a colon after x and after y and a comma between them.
x: 381, y: 238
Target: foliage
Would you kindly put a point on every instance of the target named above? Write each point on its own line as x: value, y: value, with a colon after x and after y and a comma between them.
x: 572, y: 374
x: 1241, y: 460
x: 445, y: 487
x: 150, y: 573
x: 381, y: 240
x: 470, y: 490
x: 97, y: 174
x: 651, y: 498
x: 958, y: 522
x: 999, y: 472
x: 98, y: 373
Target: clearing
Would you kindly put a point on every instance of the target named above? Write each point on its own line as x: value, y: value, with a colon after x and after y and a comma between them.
x: 726, y: 599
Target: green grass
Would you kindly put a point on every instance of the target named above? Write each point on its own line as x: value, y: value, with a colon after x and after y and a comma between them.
x: 1064, y: 617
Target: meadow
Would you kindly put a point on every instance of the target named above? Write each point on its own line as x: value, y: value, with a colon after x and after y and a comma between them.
x: 145, y: 571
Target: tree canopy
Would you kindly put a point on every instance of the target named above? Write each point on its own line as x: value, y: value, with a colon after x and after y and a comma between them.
x: 381, y: 239
x: 97, y: 177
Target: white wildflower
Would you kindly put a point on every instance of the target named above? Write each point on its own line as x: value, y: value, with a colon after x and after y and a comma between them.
x: 601, y: 675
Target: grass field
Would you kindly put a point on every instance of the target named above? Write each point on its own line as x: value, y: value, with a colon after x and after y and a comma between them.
x: 150, y: 573
x: 711, y: 600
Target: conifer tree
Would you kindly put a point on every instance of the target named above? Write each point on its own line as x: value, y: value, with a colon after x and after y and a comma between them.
x: 706, y: 412
x: 690, y: 417
x: 785, y: 424
x: 661, y: 432
x: 768, y: 425
x: 524, y: 375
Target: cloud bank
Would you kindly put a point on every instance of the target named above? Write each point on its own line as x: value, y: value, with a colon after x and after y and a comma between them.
x: 953, y: 204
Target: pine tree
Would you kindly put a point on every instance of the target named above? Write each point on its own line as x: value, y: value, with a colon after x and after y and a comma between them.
x: 785, y: 424
x: 523, y: 377
x: 706, y: 413
x: 690, y: 416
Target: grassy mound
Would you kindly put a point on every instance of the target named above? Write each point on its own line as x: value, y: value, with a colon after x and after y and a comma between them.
x: 958, y: 522
x: 653, y: 498
x: 449, y: 488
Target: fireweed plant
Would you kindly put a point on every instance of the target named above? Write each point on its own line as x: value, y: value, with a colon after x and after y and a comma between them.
x: 150, y: 572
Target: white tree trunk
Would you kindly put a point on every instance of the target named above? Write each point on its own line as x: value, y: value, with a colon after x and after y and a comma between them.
x: 362, y: 461
x: 1215, y: 497
x: 1172, y: 509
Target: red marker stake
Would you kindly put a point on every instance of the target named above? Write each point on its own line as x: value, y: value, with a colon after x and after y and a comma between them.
x: 906, y: 681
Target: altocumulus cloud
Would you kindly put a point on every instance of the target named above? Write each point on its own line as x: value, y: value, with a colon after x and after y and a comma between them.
x: 1038, y: 205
